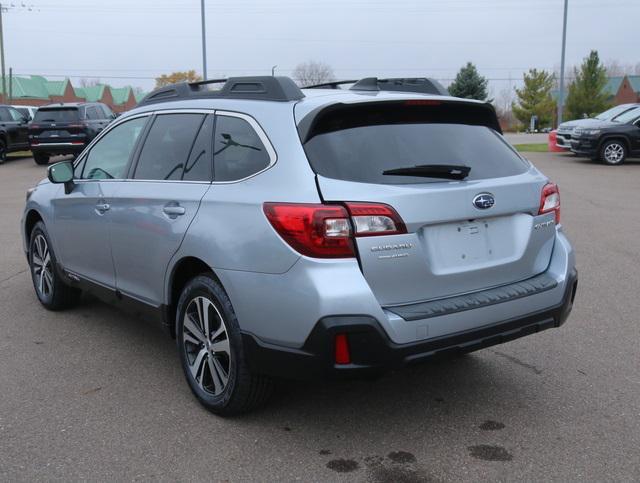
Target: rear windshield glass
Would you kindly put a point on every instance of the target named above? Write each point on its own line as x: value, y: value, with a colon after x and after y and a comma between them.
x: 68, y: 114
x: 362, y: 150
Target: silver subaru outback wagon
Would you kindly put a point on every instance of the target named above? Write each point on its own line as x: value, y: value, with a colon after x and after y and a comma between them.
x: 323, y: 232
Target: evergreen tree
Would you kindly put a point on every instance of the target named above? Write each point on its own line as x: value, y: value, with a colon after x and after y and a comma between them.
x: 469, y: 84
x: 535, y: 98
x: 586, y: 93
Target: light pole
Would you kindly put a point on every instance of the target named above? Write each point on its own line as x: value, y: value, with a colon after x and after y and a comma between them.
x: 4, y: 82
x: 564, y: 44
x: 204, y: 42
x: 273, y: 70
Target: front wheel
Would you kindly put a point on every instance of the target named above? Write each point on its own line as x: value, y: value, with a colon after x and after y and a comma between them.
x: 613, y: 152
x: 41, y: 159
x: 211, y: 351
x: 3, y: 151
x: 51, y: 290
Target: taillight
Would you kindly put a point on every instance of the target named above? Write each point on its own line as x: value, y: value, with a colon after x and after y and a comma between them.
x: 327, y: 231
x: 550, y: 201
x: 320, y: 231
x: 372, y: 219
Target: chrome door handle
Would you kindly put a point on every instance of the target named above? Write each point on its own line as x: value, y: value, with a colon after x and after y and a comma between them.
x: 102, y: 207
x: 173, y: 210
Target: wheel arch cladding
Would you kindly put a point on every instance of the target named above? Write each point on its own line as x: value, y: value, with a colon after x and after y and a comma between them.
x: 615, y: 137
x: 31, y: 219
x: 184, y: 270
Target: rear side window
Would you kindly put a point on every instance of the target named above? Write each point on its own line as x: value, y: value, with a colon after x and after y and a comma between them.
x: 66, y: 114
x: 238, y: 150
x: 198, y: 167
x: 360, y: 148
x: 109, y: 157
x: 4, y: 114
x: 92, y: 113
x: 167, y: 146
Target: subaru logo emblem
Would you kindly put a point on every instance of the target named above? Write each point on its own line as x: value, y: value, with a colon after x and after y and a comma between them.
x: 484, y: 201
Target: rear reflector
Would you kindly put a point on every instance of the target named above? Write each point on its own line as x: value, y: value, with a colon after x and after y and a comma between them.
x: 342, y: 355
x: 550, y: 201
x: 327, y: 231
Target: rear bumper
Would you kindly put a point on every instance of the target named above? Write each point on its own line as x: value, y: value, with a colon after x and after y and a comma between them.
x: 372, y: 351
x: 57, y: 148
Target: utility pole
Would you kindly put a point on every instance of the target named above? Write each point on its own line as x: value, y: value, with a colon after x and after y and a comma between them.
x: 4, y: 82
x: 564, y: 45
x: 204, y: 42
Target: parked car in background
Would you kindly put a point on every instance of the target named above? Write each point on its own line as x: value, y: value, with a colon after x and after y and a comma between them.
x: 280, y: 232
x: 14, y: 133
x: 609, y: 141
x: 565, y: 130
x: 27, y: 111
x: 66, y: 128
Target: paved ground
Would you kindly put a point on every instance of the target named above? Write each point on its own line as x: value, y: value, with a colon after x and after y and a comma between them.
x: 93, y: 394
x: 525, y: 138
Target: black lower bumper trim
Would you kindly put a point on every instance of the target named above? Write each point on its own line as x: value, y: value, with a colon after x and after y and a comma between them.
x: 372, y: 351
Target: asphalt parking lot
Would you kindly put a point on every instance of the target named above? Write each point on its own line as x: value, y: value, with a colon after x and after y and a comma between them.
x: 94, y: 394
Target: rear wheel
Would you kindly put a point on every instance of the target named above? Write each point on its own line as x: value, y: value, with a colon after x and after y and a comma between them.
x: 41, y: 158
x: 51, y: 290
x: 211, y: 352
x: 613, y: 152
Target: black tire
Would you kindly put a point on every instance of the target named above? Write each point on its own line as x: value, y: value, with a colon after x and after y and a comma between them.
x: 3, y: 151
x: 51, y: 290
x: 41, y: 158
x: 243, y: 390
x: 613, y: 152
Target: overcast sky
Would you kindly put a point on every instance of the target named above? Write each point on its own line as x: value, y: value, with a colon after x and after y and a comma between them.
x: 129, y: 42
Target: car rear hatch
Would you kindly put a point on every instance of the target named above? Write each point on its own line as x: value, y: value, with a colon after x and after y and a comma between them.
x: 57, y: 125
x: 462, y: 235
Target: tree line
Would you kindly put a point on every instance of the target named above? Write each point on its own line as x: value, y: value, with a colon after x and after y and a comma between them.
x: 585, y: 95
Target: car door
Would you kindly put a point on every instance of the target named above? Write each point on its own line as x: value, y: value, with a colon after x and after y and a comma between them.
x: 21, y: 127
x: 153, y: 210
x: 82, y: 217
x: 10, y: 127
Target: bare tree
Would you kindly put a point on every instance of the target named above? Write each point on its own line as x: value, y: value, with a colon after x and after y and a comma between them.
x: 618, y: 69
x: 86, y: 82
x: 312, y: 72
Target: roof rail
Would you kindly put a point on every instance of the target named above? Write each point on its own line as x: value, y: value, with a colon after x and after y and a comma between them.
x: 422, y: 85
x: 330, y: 85
x: 264, y: 88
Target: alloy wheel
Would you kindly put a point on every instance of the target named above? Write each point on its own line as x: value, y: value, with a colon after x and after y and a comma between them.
x: 41, y: 266
x: 614, y: 153
x: 206, y: 343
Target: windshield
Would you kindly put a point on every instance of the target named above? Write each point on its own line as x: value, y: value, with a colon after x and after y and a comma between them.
x: 365, y: 153
x: 628, y: 116
x: 69, y: 114
x: 613, y: 112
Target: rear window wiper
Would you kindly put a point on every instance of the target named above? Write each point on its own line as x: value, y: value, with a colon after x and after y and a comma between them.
x: 444, y: 171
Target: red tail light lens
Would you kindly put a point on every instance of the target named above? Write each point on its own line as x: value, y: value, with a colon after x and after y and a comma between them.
x: 550, y: 201
x: 320, y: 231
x: 327, y: 231
x: 342, y: 354
x: 374, y: 219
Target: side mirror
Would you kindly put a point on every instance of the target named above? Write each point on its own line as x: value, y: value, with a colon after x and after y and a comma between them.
x: 62, y: 173
x: 25, y: 120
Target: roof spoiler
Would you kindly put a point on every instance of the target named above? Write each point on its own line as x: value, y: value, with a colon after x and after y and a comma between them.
x: 423, y: 85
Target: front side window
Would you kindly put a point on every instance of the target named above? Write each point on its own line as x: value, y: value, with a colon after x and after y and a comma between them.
x: 109, y: 157
x: 238, y: 150
x: 16, y: 115
x: 166, y: 149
